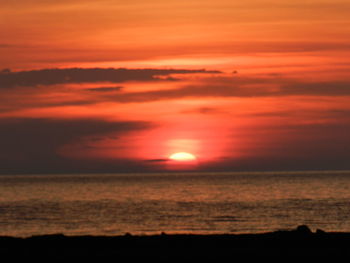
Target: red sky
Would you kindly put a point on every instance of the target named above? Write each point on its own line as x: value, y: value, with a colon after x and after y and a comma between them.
x: 253, y: 85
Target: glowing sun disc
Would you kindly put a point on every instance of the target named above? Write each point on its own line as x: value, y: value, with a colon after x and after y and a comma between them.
x: 182, y: 156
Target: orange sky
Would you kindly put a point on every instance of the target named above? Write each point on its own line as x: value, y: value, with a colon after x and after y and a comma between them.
x: 274, y: 96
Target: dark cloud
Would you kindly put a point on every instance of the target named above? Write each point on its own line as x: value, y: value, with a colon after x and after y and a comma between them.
x: 282, y: 147
x: 88, y: 75
x: 30, y: 145
x: 269, y: 88
x: 313, y: 146
x: 157, y: 160
x: 311, y: 114
x: 2, y: 45
x: 105, y: 89
x: 204, y: 110
x: 335, y: 88
x: 337, y: 113
x: 245, y: 88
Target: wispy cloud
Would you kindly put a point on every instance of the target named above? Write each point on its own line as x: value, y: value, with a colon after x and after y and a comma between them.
x: 88, y: 75
x: 105, y: 89
x: 243, y: 88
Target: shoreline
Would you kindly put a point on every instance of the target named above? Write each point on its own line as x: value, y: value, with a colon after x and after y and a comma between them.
x: 300, y: 242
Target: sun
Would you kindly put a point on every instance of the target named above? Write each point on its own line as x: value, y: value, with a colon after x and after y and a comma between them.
x: 182, y: 156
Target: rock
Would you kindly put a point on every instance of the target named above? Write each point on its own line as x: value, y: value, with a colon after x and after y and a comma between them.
x: 303, y: 229
x: 320, y: 232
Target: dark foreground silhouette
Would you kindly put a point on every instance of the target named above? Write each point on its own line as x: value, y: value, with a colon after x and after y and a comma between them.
x: 280, y: 246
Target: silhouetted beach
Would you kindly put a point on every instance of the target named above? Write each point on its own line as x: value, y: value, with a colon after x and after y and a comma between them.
x: 277, y: 246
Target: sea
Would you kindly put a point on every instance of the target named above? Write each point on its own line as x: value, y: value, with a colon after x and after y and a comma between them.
x: 173, y: 203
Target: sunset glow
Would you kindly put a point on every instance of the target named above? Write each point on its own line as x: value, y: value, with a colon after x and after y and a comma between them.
x: 118, y: 86
x: 182, y: 156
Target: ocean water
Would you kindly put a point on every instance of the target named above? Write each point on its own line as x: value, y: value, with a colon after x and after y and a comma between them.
x: 198, y: 203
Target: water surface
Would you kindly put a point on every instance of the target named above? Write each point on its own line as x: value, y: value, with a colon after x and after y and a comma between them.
x: 199, y: 203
